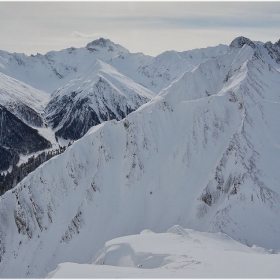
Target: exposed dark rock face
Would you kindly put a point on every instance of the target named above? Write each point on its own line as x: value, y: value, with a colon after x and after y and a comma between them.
x: 25, y: 113
x: 75, y: 127
x: 79, y: 117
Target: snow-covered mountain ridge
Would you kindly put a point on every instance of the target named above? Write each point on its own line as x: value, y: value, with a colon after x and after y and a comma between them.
x: 27, y: 82
x: 59, y: 69
x: 54, y: 69
x: 204, y: 154
x: 98, y: 94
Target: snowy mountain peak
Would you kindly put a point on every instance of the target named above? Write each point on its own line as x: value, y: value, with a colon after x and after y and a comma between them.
x: 105, y: 43
x: 239, y: 42
x: 100, y: 42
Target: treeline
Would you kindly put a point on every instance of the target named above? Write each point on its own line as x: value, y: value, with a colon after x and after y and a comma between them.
x: 11, y: 179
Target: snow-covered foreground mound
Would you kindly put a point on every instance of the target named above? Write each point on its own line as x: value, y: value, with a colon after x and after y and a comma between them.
x: 179, y: 253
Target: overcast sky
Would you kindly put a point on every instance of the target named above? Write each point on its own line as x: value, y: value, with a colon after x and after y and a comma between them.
x: 148, y: 27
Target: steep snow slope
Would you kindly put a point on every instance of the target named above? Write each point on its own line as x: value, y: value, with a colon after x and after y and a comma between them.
x: 179, y: 253
x: 98, y: 94
x: 204, y: 154
x: 22, y: 100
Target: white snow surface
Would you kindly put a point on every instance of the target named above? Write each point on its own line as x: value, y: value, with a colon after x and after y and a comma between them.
x: 179, y: 253
x: 203, y: 154
x: 13, y: 91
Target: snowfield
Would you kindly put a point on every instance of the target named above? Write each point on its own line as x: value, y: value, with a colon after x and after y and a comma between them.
x: 179, y: 253
x: 203, y: 154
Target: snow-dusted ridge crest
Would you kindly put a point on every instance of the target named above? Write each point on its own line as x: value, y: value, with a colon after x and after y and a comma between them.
x: 204, y: 154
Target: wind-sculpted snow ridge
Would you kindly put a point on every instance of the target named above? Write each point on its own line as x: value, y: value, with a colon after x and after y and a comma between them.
x: 99, y: 94
x: 179, y: 253
x: 203, y: 154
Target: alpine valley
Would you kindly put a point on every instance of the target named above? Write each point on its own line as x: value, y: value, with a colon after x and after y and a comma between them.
x: 98, y: 143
